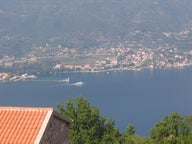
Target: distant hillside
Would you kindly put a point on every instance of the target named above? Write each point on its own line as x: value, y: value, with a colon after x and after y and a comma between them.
x: 84, y: 23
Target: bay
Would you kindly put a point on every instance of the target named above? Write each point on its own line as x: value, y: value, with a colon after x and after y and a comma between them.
x: 138, y: 97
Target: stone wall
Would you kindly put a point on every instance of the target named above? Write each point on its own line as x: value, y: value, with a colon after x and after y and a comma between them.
x: 56, y: 131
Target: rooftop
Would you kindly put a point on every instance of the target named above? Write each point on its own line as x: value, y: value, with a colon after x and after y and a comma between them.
x: 22, y: 125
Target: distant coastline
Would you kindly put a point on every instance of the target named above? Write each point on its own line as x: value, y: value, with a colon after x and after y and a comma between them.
x: 6, y: 77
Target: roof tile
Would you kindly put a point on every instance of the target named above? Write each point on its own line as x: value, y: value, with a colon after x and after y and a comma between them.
x: 21, y: 125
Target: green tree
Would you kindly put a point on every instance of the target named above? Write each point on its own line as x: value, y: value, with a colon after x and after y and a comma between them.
x: 173, y: 129
x: 88, y: 126
x: 126, y: 136
x: 129, y: 137
x: 130, y: 129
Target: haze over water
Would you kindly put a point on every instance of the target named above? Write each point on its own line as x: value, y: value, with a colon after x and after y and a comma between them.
x: 138, y: 97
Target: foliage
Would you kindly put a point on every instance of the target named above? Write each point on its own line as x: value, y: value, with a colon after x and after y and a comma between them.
x: 172, y: 129
x: 130, y: 129
x: 135, y: 139
x: 129, y: 137
x: 87, y: 23
x: 88, y: 126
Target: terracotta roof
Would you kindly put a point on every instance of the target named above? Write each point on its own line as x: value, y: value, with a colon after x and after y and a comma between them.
x: 21, y: 125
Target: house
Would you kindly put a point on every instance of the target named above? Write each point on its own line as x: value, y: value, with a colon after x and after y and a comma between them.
x: 26, y: 125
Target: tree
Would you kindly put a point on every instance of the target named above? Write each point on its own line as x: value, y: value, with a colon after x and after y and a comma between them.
x: 172, y: 129
x: 126, y: 136
x: 88, y: 126
x: 111, y: 134
x: 129, y: 137
x: 130, y: 130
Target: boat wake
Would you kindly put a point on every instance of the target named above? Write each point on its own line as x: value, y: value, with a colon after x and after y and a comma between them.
x: 78, y: 84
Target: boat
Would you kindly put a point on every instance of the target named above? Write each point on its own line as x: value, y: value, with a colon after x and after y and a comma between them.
x: 78, y: 83
x: 64, y: 80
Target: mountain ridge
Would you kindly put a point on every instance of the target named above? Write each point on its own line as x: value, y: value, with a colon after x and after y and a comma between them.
x: 85, y: 23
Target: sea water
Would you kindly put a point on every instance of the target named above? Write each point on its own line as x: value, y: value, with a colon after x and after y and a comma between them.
x: 140, y: 98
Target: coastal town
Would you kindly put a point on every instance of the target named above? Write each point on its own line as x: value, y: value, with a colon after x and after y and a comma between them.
x: 64, y: 60
x: 145, y: 39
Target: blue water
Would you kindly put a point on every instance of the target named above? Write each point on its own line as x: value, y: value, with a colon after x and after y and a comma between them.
x: 138, y: 97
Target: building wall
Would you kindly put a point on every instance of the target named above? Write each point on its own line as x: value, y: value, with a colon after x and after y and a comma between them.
x: 56, y: 132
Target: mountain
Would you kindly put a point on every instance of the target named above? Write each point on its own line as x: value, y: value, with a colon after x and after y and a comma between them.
x: 85, y: 23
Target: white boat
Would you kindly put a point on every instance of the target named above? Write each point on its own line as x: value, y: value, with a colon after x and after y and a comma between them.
x: 78, y: 83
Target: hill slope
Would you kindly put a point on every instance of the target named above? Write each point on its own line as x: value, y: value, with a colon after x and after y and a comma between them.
x: 84, y: 23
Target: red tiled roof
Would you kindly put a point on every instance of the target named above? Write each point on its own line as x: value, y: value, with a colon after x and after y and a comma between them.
x: 21, y: 125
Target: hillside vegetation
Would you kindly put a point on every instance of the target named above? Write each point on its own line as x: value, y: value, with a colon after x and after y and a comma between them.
x: 89, y: 127
x: 85, y: 23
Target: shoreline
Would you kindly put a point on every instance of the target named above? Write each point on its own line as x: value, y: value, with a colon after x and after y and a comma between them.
x: 34, y: 78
